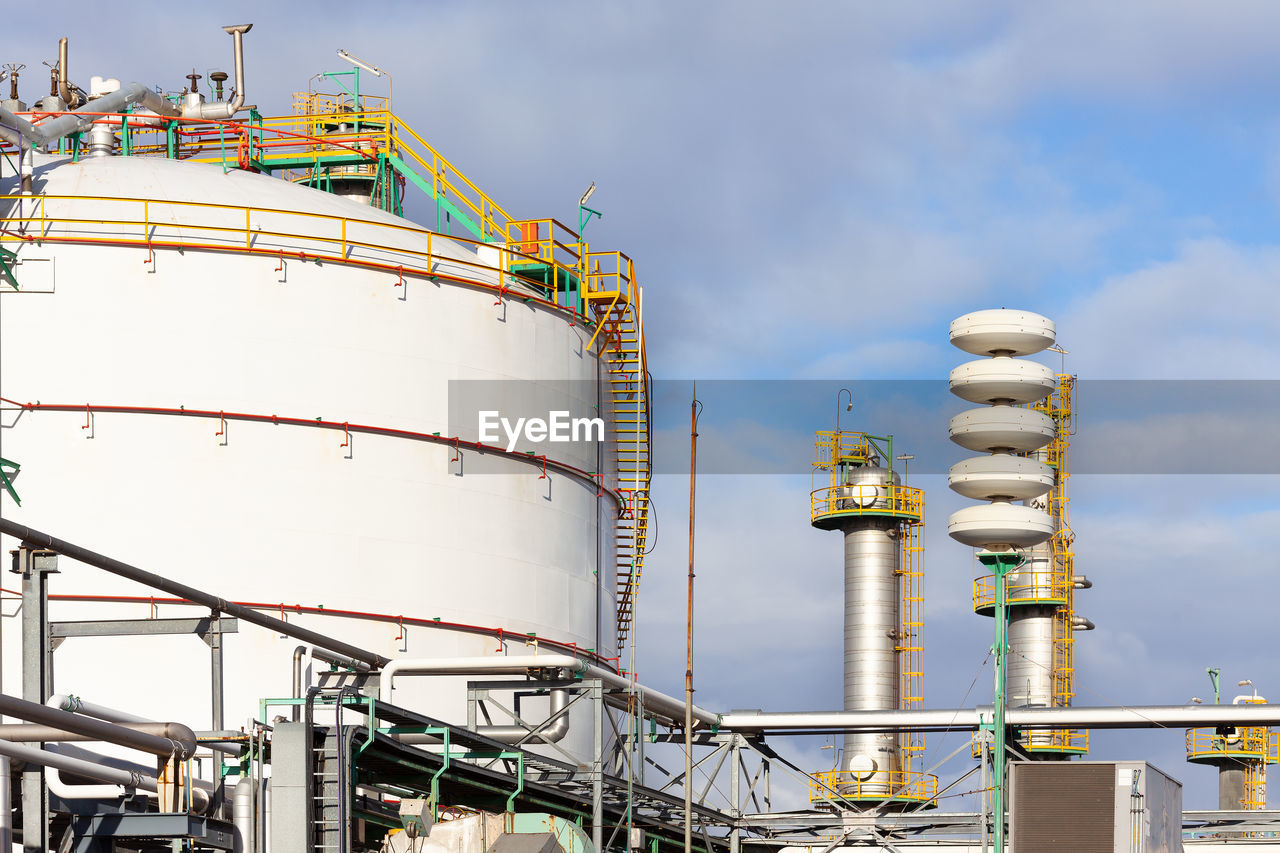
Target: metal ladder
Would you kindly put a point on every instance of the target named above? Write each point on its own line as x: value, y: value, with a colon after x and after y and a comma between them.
x: 629, y: 392
x: 329, y: 791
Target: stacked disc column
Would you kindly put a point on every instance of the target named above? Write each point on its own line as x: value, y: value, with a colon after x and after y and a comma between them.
x: 1003, y: 428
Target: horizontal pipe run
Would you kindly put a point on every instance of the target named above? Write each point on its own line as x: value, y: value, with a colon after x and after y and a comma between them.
x: 74, y: 750
x: 76, y: 705
x: 34, y: 733
x: 39, y: 539
x: 655, y: 703
x: 551, y: 731
x: 100, y: 772
x: 1149, y: 716
x: 97, y: 729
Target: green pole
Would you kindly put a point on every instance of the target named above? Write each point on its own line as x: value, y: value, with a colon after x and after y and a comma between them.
x: 1000, y: 565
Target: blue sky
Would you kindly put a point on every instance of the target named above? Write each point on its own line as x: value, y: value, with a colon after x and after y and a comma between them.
x: 812, y: 191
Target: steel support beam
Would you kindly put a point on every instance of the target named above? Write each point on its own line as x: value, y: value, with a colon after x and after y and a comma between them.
x: 30, y: 536
x: 35, y: 566
x: 142, y: 627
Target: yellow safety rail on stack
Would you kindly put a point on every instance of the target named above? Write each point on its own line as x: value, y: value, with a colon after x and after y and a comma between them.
x: 894, y: 785
x: 1251, y: 748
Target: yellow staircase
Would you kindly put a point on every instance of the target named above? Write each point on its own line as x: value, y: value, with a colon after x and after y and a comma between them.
x: 613, y: 297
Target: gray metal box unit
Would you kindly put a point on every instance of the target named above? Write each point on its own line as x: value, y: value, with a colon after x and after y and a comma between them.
x: 1093, y: 807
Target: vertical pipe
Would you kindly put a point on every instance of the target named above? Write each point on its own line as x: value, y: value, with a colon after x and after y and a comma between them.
x: 1002, y: 564
x: 297, y: 681
x: 640, y: 733
x: 597, y: 768
x: 242, y: 803
x: 6, y: 807
x: 982, y: 790
x: 735, y: 760
x: 688, y: 672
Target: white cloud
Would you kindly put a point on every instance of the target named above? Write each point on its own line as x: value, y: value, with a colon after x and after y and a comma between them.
x: 1207, y: 313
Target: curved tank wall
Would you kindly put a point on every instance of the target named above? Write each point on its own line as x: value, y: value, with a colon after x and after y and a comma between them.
x: 276, y: 513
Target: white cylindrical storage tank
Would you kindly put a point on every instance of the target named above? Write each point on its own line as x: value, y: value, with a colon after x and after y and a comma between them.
x: 374, y: 525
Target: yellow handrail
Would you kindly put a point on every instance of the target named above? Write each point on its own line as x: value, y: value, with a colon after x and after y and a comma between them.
x: 312, y: 235
x: 866, y: 499
x: 913, y: 785
x: 1250, y: 741
x: 1024, y: 587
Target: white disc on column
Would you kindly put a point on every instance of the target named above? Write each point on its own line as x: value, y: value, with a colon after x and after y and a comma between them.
x: 1000, y: 526
x: 1002, y: 380
x: 1000, y: 477
x: 1002, y: 428
x: 1002, y: 331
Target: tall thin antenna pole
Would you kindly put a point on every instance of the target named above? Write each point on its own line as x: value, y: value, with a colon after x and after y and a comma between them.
x: 694, y: 406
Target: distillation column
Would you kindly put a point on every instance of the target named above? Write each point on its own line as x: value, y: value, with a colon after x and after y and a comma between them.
x: 871, y: 622
x: 880, y: 520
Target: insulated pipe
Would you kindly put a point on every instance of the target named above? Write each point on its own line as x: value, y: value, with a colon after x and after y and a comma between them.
x: 242, y: 814
x: 115, y: 102
x: 103, y: 791
x: 74, y: 704
x: 225, y: 109
x: 1136, y: 717
x: 184, y: 744
x: 64, y: 86
x: 107, y: 791
x: 554, y: 732
x: 6, y: 813
x: 353, y: 655
x: 74, y: 751
x: 660, y: 704
x: 44, y: 758
x: 316, y: 654
x: 15, y: 124
x: 30, y: 733
x: 51, y: 131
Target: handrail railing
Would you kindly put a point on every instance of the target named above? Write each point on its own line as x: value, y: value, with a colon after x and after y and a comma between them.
x: 309, y: 235
x: 832, y: 447
x: 867, y: 499
x: 911, y: 785
x: 1248, y: 741
x: 1024, y: 587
